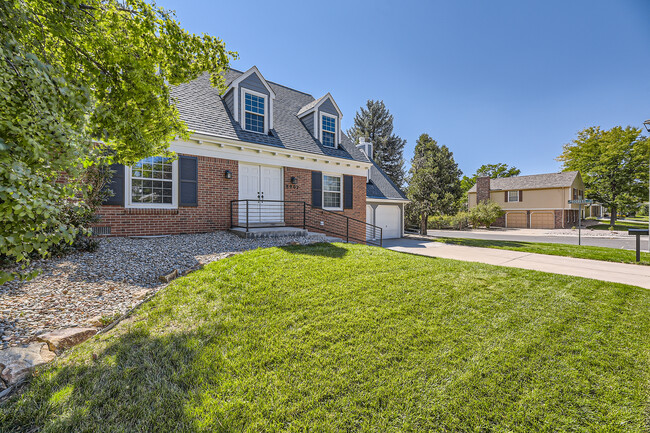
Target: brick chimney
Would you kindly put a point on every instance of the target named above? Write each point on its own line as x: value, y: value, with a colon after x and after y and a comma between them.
x: 482, y: 189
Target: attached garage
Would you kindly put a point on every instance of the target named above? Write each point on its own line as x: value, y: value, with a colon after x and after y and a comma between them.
x: 542, y: 220
x: 389, y: 218
x: 516, y: 220
x: 384, y: 205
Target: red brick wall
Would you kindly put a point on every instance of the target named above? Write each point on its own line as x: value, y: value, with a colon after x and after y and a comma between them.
x: 558, y: 219
x: 482, y: 189
x: 212, y: 212
x: 301, y: 191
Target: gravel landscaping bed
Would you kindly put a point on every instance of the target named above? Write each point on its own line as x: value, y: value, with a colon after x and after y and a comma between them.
x: 91, y: 288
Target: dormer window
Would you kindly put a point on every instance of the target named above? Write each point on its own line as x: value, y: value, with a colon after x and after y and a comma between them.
x: 254, y: 109
x: 328, y: 130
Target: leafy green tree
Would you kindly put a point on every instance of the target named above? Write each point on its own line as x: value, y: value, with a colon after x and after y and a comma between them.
x: 492, y: 170
x: 376, y: 123
x: 434, y: 186
x: 613, y: 164
x: 72, y: 73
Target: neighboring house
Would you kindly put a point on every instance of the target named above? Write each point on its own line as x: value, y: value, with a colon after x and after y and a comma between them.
x: 261, y: 154
x: 535, y: 201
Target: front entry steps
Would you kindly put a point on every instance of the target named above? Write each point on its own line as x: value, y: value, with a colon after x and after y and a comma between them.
x: 268, y: 232
x: 278, y: 232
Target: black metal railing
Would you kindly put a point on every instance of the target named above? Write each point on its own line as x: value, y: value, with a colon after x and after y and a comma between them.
x: 250, y: 214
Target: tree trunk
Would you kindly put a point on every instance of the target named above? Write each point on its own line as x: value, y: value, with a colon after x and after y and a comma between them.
x: 612, y: 216
x: 423, y: 223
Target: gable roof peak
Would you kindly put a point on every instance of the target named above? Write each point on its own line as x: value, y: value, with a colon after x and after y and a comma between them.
x: 248, y: 73
x: 313, y: 105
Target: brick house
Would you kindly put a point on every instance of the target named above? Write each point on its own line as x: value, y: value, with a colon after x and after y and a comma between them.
x: 534, y: 201
x: 261, y: 154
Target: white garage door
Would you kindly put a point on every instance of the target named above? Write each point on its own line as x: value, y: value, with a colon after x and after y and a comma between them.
x: 388, y: 218
x: 370, y: 232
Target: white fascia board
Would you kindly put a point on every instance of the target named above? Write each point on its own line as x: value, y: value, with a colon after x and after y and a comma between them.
x: 261, y: 154
x: 386, y: 200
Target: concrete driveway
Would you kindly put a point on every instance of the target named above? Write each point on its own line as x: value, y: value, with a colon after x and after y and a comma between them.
x: 593, y: 238
x: 635, y: 275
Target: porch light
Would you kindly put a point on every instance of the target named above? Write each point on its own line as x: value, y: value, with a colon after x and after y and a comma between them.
x: 228, y: 174
x: 294, y: 180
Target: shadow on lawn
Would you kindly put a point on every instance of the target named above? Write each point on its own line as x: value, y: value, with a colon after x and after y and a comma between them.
x: 319, y: 249
x: 138, y: 383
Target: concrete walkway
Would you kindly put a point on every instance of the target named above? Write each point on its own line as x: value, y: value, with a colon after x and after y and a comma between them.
x: 635, y: 275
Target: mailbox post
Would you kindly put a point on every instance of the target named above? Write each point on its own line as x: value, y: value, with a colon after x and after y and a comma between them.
x: 638, y: 233
x: 580, y: 203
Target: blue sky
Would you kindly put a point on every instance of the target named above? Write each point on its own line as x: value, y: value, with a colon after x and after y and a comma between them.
x: 496, y: 81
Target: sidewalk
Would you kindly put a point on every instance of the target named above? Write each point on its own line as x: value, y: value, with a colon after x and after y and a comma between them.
x: 635, y: 275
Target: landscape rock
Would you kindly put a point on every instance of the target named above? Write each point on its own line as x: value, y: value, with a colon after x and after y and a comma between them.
x: 62, y: 339
x: 17, y: 363
x: 140, y: 294
x: 167, y: 278
x: 96, y: 321
x: 80, y: 289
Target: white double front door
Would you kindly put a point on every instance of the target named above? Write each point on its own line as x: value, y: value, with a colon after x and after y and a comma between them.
x: 261, y: 186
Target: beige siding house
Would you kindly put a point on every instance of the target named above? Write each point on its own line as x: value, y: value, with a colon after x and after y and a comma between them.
x: 535, y: 201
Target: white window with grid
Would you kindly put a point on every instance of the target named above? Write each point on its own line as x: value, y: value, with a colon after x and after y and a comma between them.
x: 332, y: 192
x: 152, y: 183
x: 254, y: 112
x: 513, y: 196
x: 328, y: 130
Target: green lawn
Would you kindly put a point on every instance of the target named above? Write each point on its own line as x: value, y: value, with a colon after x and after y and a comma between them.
x: 638, y: 218
x: 354, y: 338
x: 578, y: 251
x: 619, y: 226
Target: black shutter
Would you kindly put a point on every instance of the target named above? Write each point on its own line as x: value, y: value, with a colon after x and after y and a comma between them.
x: 317, y: 189
x: 506, y: 197
x: 188, y: 176
x: 116, y: 185
x: 347, y: 192
x: 521, y: 195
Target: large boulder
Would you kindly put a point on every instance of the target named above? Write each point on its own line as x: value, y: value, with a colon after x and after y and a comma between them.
x: 62, y: 339
x: 17, y: 363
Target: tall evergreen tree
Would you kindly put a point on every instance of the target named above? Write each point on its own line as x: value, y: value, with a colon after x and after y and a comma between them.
x: 376, y: 123
x: 434, y: 187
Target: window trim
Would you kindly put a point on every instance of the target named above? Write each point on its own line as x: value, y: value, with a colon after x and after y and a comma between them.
x: 128, y: 189
x: 266, y: 114
x: 340, y: 176
x: 336, y: 129
x: 513, y: 201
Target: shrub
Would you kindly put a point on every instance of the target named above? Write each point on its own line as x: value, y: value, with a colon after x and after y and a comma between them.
x: 459, y: 221
x: 485, y: 214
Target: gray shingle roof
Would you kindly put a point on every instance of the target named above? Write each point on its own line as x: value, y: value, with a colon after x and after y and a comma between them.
x: 380, y: 185
x: 204, y: 111
x: 534, y: 181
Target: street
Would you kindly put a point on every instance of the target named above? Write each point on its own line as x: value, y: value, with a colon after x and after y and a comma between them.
x: 531, y: 235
